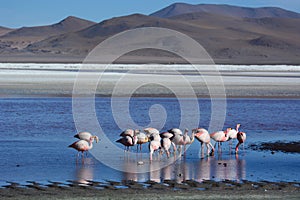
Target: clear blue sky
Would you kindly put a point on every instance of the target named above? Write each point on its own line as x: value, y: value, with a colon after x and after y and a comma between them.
x: 18, y: 13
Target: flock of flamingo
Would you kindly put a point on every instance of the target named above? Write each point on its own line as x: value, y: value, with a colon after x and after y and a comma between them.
x: 165, y: 140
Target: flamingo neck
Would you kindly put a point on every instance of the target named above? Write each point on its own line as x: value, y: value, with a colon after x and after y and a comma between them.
x: 237, y: 128
x: 90, y: 144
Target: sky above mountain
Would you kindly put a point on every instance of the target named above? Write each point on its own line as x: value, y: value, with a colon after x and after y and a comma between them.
x: 16, y: 13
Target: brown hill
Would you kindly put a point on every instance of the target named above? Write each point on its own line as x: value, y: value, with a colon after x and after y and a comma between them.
x: 227, y: 38
x: 4, y: 30
x: 226, y: 10
x: 20, y: 38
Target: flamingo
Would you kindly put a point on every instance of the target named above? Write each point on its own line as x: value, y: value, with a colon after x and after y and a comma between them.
x: 220, y: 136
x: 86, y: 136
x: 203, y: 137
x: 188, y: 139
x: 151, y: 131
x: 175, y: 131
x: 179, y: 139
x: 176, y: 139
x: 165, y: 145
x: 127, y: 141
x: 141, y: 139
x: 241, y: 137
x: 170, y: 136
x: 82, y: 146
x: 155, y: 142
x: 232, y: 134
x: 127, y: 132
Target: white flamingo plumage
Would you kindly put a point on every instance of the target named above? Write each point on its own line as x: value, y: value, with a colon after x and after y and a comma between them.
x: 170, y: 136
x: 86, y: 136
x: 82, y: 146
x: 141, y: 139
x: 232, y: 134
x: 151, y: 131
x: 241, y: 137
x: 155, y: 140
x: 176, y: 139
x: 165, y: 145
x: 203, y: 137
x: 128, y: 132
x: 220, y: 136
x: 175, y: 131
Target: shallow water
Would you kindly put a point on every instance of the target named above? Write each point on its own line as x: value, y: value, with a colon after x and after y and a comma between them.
x: 36, y: 132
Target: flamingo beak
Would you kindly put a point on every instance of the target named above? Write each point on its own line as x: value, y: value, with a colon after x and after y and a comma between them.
x: 96, y: 138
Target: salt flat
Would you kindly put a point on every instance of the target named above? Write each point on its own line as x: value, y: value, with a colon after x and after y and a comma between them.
x: 25, y: 79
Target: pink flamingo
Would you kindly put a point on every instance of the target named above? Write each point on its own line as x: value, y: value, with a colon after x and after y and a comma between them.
x: 128, y: 141
x: 165, y: 145
x: 141, y: 139
x: 187, y: 139
x: 177, y: 140
x: 169, y: 136
x: 155, y: 144
x: 220, y: 136
x: 151, y: 131
x: 128, y: 132
x: 82, y: 146
x: 203, y: 137
x: 175, y: 131
x: 241, y: 137
x: 232, y: 134
x: 86, y: 136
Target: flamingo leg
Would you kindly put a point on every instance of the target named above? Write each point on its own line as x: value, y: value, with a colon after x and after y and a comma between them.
x: 237, y: 147
x: 151, y: 152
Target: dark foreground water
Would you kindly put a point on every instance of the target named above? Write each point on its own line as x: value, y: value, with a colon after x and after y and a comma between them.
x: 35, y: 134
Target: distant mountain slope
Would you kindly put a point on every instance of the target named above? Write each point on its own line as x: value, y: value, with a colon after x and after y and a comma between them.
x: 21, y: 37
x: 233, y: 38
x: 226, y: 10
x: 4, y: 30
x: 225, y: 38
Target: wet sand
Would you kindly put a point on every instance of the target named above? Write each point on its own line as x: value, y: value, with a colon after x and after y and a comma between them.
x: 286, y: 147
x: 151, y: 190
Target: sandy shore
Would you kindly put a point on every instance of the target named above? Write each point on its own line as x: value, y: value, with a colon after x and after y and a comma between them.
x: 152, y: 190
x: 55, y: 81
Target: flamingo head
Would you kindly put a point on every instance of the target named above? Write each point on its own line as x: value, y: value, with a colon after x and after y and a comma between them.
x: 238, y: 126
x: 186, y: 131
x: 96, y: 138
x: 136, y: 131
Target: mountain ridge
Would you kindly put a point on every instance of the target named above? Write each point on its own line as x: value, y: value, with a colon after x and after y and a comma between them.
x: 228, y: 39
x: 224, y: 9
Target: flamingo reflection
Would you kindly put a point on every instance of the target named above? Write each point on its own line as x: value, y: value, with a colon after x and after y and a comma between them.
x: 84, y: 173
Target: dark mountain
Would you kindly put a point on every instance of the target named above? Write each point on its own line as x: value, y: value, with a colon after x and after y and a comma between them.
x: 69, y: 24
x: 84, y: 40
x: 227, y: 38
x: 226, y: 10
x: 20, y: 38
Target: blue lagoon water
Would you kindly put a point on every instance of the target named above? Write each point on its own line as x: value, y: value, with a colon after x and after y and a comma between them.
x: 35, y: 133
